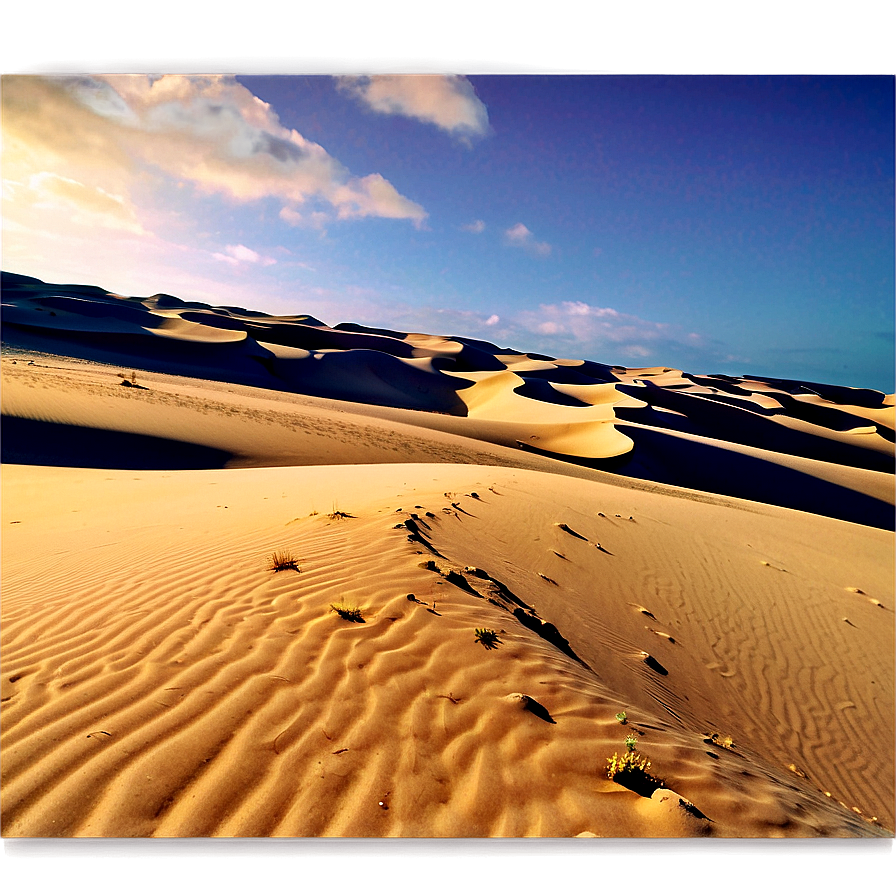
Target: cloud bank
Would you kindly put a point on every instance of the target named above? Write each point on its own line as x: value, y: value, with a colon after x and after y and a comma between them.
x: 208, y: 131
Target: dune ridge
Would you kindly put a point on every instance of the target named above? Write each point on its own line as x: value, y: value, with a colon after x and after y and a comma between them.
x: 623, y: 420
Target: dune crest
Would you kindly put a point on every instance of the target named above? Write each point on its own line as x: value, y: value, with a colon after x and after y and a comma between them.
x: 636, y: 422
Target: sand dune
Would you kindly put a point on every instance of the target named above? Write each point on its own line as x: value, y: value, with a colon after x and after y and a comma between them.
x: 630, y: 421
x: 546, y: 556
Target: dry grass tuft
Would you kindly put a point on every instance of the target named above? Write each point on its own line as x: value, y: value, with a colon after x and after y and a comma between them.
x: 350, y: 614
x: 488, y: 638
x: 283, y: 560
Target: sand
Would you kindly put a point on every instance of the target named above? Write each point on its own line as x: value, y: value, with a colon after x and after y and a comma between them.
x: 159, y: 679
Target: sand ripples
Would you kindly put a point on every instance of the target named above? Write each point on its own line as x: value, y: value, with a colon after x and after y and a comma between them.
x: 182, y: 688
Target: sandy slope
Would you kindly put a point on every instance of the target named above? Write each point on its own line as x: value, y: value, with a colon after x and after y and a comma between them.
x: 158, y: 679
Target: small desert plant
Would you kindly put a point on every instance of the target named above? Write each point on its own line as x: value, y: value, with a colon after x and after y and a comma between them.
x: 629, y: 762
x: 725, y: 742
x: 338, y: 514
x: 283, y: 560
x: 621, y: 717
x: 487, y: 637
x: 350, y: 614
x: 631, y: 770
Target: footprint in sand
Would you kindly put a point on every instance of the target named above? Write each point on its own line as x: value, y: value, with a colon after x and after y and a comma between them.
x: 530, y: 704
x: 652, y: 663
x: 564, y: 528
x: 772, y: 566
x: 725, y: 673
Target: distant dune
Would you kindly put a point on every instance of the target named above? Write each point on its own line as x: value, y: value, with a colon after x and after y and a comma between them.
x: 546, y: 556
x: 823, y: 449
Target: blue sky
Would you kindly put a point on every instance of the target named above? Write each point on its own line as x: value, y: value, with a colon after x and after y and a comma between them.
x: 740, y: 225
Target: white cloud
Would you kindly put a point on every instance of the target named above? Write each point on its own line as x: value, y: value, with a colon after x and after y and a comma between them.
x: 242, y: 254
x: 476, y: 226
x: 207, y: 130
x: 520, y: 235
x: 447, y: 101
x: 374, y: 195
x: 493, y: 320
x: 585, y: 324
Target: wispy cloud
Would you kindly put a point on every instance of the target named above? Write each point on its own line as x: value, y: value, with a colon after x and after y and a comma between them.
x: 241, y: 254
x: 519, y: 235
x: 476, y: 226
x: 580, y: 325
x: 447, y: 101
x: 207, y: 130
x: 46, y: 193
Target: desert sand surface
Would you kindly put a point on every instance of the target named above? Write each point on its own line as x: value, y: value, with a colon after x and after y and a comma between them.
x: 702, y: 563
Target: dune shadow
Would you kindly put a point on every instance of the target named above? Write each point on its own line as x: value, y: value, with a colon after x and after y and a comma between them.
x: 662, y: 457
x: 43, y: 443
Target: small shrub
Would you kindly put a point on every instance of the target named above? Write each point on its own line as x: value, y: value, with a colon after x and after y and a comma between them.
x: 630, y: 743
x: 727, y: 743
x: 283, y: 560
x: 631, y: 770
x: 488, y: 638
x: 621, y: 717
x: 350, y: 614
x: 340, y: 515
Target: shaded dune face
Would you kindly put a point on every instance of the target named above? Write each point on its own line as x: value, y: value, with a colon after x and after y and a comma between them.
x: 819, y: 448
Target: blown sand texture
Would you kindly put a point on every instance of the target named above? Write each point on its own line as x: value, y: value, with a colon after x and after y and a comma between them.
x: 159, y: 679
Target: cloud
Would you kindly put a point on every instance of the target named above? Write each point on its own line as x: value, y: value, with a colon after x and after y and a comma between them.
x: 374, y: 195
x: 447, y: 101
x: 474, y: 227
x: 207, y: 130
x: 47, y: 184
x: 317, y: 220
x: 46, y: 193
x: 600, y: 329
x: 241, y: 254
x: 520, y: 235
